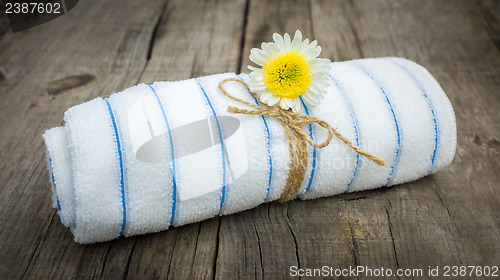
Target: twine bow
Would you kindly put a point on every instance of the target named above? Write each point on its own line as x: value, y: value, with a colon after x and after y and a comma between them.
x: 297, y: 139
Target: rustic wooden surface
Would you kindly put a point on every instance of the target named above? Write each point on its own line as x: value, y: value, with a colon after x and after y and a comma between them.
x: 100, y: 47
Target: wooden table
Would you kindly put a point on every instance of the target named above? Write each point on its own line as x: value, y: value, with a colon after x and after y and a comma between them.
x: 450, y: 218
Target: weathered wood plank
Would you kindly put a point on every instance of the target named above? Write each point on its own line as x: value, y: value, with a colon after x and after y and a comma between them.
x: 433, y: 220
x: 374, y: 234
x: 195, y: 39
x: 334, y: 30
x: 4, y: 21
x: 490, y: 11
x: 94, y: 38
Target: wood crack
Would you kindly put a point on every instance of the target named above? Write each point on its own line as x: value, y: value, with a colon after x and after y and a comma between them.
x: 288, y: 223
x: 37, y: 245
x: 193, y: 65
x: 129, y: 259
x: 392, y: 236
x: 216, y: 253
x: 260, y: 249
x: 354, y: 246
x: 155, y: 31
x: 172, y: 254
x: 196, y: 246
x: 450, y: 218
x: 152, y: 40
x: 105, y: 259
x: 243, y: 36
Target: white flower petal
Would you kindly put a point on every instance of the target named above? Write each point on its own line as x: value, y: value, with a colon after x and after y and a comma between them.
x: 304, y: 46
x: 258, y: 82
x: 292, y: 103
x: 321, y: 83
x: 255, y: 69
x: 256, y: 75
x: 272, y: 100
x: 323, y: 76
x: 314, y: 97
x: 317, y: 95
x: 278, y: 40
x: 296, y: 105
x: 308, y: 100
x: 251, y: 68
x: 257, y: 88
x: 287, y: 42
x: 255, y: 51
x: 298, y: 35
x: 319, y: 70
x: 283, y: 104
x: 256, y: 57
x: 312, y: 53
x: 263, y: 46
x: 264, y: 96
x: 297, y: 40
x: 315, y: 89
x: 313, y: 44
x: 319, y: 49
x: 320, y: 63
x: 273, y: 48
x: 266, y: 49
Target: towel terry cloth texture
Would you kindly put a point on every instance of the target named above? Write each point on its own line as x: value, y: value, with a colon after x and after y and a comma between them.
x: 168, y: 154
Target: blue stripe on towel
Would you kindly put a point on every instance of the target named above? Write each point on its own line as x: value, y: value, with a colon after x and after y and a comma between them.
x: 221, y: 146
x: 431, y: 107
x: 119, y: 149
x: 355, y: 125
x: 313, y: 169
x: 269, y: 153
x: 172, y: 155
x: 398, y: 148
x: 53, y: 180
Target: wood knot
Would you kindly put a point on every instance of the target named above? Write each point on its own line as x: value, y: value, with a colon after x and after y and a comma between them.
x: 494, y: 144
x: 67, y: 83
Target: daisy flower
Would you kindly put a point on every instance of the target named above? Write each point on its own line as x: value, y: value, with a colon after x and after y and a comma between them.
x: 290, y: 71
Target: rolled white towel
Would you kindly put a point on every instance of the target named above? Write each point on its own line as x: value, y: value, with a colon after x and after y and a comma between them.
x: 169, y: 153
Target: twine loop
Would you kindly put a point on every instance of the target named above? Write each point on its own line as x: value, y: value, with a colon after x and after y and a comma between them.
x: 297, y: 139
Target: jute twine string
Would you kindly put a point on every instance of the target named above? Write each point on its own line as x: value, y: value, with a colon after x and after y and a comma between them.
x: 297, y: 139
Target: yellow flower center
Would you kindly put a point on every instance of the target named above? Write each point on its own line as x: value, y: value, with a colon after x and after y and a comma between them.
x: 287, y: 75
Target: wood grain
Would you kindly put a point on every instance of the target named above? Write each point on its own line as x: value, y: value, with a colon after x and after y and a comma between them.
x: 449, y: 218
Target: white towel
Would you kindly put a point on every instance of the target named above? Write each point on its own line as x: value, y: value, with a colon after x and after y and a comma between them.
x: 168, y: 154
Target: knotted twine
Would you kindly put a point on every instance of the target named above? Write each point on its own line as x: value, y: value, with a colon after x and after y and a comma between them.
x: 297, y: 139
